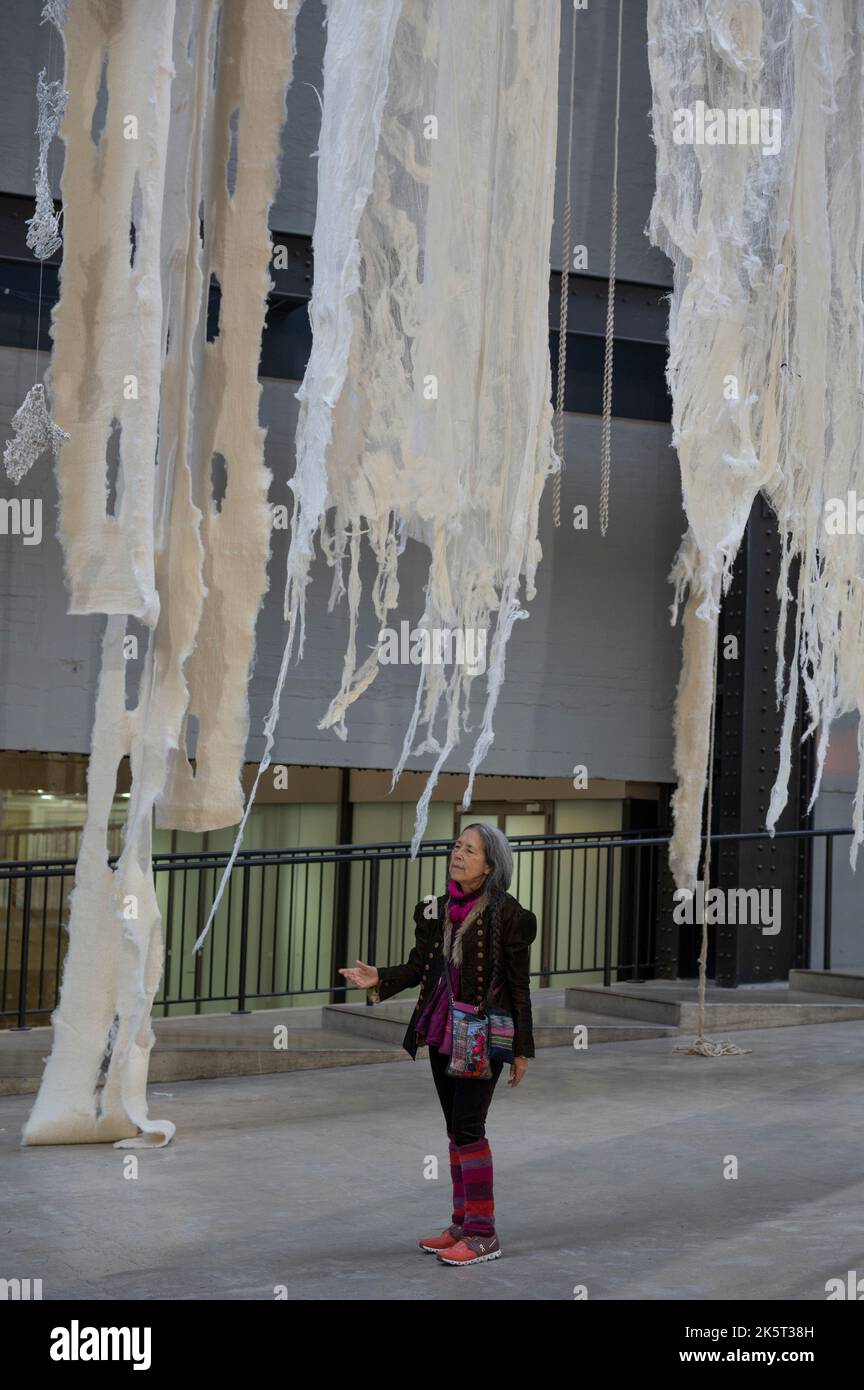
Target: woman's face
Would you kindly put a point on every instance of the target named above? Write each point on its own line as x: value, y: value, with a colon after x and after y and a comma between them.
x: 468, y: 863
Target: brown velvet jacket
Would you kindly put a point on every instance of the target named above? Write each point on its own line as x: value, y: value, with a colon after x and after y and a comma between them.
x: 425, y: 963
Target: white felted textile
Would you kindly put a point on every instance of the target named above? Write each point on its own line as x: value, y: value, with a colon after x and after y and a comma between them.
x: 256, y: 64
x: 426, y: 403
x: 107, y: 326
x: 455, y: 253
x: 768, y: 257
x: 208, y: 567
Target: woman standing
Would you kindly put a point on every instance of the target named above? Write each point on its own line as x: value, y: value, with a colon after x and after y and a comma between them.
x: 485, y: 938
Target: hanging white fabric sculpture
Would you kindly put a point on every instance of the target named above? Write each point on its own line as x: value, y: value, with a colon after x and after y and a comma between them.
x: 426, y: 404
x: 426, y: 411
x: 187, y: 84
x: 758, y: 116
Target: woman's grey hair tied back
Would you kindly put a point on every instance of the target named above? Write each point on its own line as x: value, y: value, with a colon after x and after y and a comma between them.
x: 499, y: 856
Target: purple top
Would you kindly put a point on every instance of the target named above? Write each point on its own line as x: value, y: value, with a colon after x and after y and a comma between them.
x: 433, y: 1025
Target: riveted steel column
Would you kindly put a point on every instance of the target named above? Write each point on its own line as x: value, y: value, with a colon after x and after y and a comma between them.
x: 747, y: 740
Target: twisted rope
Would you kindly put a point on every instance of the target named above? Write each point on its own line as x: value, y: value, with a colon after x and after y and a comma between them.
x: 566, y: 254
x: 606, y: 429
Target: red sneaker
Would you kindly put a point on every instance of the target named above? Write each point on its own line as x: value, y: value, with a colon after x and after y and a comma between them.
x: 446, y: 1240
x: 472, y: 1250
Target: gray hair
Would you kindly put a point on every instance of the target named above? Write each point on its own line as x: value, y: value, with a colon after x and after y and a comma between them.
x: 499, y: 856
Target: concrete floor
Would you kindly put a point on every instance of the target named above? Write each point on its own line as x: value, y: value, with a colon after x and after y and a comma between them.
x: 608, y: 1173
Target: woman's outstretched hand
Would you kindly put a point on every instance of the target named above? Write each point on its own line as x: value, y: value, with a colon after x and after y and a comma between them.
x: 363, y: 976
x: 518, y: 1068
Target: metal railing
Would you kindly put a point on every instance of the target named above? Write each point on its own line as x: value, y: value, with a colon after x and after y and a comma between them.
x: 290, y: 918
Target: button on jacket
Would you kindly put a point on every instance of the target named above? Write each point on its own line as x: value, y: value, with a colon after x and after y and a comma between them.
x: 424, y: 966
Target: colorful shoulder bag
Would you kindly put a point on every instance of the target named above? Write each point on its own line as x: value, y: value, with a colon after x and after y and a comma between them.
x: 479, y: 1036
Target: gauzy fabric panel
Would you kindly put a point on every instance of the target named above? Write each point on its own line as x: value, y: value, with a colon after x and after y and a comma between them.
x: 766, y: 338
x: 356, y: 64
x: 426, y: 405
x: 236, y: 531
x: 115, y: 953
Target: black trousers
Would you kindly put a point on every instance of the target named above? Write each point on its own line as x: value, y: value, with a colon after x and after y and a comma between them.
x: 465, y: 1103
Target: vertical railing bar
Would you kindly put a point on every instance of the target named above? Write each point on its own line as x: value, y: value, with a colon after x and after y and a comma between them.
x: 374, y: 869
x: 171, y: 895
x: 584, y: 852
x: 45, y: 885
x: 391, y: 870
x: 597, y: 910
x: 829, y: 893
x: 169, y: 938
x: 318, y: 933
x: 278, y: 868
x: 25, y: 953
x: 607, y: 935
x: 291, y: 903
x: 8, y: 888
x: 639, y: 856
x: 570, y: 943
x: 261, y: 896
x: 60, y: 930
x: 307, y: 869
x: 244, y: 943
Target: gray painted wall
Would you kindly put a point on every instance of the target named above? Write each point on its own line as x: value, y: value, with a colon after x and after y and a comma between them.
x: 590, y: 677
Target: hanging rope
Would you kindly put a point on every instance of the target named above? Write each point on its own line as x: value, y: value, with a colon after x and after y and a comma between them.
x: 33, y: 430
x: 702, y: 1046
x: 606, y: 431
x: 566, y: 256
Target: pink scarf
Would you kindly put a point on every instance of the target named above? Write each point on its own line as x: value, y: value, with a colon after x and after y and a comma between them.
x: 433, y: 1025
x: 461, y: 903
